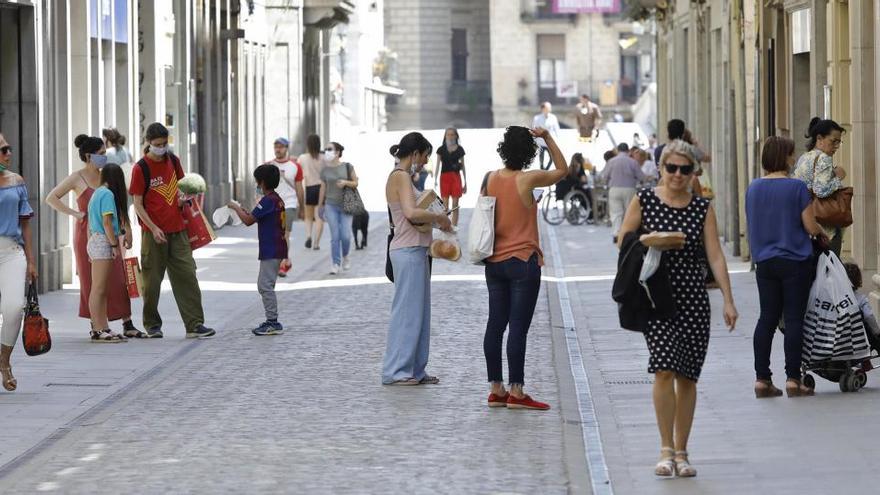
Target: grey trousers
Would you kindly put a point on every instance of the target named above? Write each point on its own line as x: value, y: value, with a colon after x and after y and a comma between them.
x: 618, y: 200
x: 266, y: 286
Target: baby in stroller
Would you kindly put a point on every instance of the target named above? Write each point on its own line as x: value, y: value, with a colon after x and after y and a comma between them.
x: 870, y: 321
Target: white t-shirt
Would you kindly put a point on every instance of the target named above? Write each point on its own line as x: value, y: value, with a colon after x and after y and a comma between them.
x: 291, y: 173
x: 549, y: 122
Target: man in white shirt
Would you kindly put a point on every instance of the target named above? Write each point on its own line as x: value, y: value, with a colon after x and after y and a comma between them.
x: 545, y: 120
x: 290, y: 189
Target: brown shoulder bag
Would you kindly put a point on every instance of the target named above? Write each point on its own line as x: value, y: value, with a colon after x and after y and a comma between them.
x: 834, y: 210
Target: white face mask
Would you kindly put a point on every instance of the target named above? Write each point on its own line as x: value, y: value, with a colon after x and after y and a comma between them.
x: 451, y: 143
x: 329, y: 155
x: 158, y: 150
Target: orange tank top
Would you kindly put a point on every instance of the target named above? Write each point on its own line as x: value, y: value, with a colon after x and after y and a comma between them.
x: 516, y: 226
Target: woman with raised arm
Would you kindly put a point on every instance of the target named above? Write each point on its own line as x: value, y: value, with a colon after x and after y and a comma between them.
x: 513, y: 272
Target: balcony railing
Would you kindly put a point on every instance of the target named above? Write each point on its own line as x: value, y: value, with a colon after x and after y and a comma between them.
x: 473, y: 94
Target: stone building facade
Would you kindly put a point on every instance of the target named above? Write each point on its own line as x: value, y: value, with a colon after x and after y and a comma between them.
x: 764, y: 68
x: 536, y: 53
x: 442, y: 49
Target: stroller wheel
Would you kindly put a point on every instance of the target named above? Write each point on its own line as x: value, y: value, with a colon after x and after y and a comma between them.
x: 848, y: 381
x: 809, y: 381
x: 860, y: 379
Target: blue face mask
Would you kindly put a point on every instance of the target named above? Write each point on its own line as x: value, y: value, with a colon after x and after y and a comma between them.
x: 98, y: 161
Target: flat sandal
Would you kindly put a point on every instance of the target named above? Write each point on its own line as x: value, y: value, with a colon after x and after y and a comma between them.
x: 767, y: 390
x: 666, y: 466
x: 683, y: 468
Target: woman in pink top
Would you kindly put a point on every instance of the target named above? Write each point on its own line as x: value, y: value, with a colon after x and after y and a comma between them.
x: 409, y: 332
x: 513, y: 272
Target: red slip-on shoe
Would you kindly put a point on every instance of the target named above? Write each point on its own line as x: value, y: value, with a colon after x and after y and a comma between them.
x: 526, y: 403
x: 498, y: 400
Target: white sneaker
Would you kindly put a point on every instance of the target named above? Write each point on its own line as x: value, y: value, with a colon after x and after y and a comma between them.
x: 346, y: 263
x: 334, y: 269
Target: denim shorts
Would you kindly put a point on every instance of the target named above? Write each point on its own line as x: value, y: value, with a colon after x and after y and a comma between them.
x: 99, y: 247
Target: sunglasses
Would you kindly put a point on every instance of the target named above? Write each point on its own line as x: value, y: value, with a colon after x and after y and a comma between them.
x: 684, y: 169
x: 6, y: 150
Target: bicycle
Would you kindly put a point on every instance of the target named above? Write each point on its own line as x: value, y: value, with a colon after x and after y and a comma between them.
x: 573, y: 207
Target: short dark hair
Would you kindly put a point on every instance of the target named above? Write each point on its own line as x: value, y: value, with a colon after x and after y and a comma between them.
x: 623, y: 147
x: 268, y: 174
x: 774, y: 157
x: 675, y: 129
x: 154, y: 131
x: 854, y: 273
x: 518, y: 148
x: 820, y: 128
x: 338, y: 147
x: 610, y: 154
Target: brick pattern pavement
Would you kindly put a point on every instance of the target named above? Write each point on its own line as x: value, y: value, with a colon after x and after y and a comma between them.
x: 305, y: 412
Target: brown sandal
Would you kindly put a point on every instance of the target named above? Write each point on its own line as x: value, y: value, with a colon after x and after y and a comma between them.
x: 794, y: 388
x: 765, y: 389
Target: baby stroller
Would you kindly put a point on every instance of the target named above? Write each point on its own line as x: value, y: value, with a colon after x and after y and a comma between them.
x: 836, y: 345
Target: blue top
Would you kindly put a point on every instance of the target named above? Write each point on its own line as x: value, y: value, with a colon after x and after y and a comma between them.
x: 773, y: 213
x: 103, y: 203
x: 269, y: 214
x: 13, y: 207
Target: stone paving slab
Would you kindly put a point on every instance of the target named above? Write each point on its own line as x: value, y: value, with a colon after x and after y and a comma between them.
x: 305, y: 412
x: 819, y: 445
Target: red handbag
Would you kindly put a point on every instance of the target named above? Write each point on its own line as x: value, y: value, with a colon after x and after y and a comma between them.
x: 35, y: 332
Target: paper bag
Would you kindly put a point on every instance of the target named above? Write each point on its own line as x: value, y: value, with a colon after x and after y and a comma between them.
x: 198, y: 229
x: 428, y: 200
x: 134, y: 280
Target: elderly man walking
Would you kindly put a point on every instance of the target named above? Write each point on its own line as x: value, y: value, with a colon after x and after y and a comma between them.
x: 622, y: 174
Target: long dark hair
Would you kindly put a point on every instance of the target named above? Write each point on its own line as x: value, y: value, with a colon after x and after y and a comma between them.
x: 457, y: 137
x: 820, y: 128
x: 576, y: 165
x: 114, y: 179
x: 313, y: 145
x: 154, y: 131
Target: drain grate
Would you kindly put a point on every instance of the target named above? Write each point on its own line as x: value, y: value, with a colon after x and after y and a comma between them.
x: 634, y: 381
x: 77, y: 384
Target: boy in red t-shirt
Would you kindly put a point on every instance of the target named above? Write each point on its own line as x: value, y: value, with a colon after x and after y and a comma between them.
x: 165, y: 243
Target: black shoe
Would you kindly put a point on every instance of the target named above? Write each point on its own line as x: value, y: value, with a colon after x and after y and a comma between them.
x: 308, y: 243
x: 200, y: 332
x: 614, y: 239
x: 154, y: 333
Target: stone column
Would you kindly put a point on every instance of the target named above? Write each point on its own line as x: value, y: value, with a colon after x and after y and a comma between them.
x: 875, y: 184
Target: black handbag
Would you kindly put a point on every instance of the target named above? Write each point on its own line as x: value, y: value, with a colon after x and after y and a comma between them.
x: 389, y: 270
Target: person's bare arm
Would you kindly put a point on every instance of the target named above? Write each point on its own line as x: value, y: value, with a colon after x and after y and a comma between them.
x: 246, y: 217
x: 464, y: 177
x: 353, y: 182
x: 300, y: 194
x: 28, y: 248
x: 53, y: 199
x: 158, y: 235
x: 808, y: 218
x: 543, y: 178
x: 718, y: 264
x: 632, y: 220
x: 112, y: 238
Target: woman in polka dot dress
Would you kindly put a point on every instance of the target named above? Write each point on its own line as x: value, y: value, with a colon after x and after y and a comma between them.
x: 678, y: 345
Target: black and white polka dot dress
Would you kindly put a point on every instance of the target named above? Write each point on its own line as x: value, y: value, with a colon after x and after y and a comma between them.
x: 679, y: 344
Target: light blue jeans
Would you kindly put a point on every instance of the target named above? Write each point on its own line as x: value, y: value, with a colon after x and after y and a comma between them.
x: 340, y: 231
x: 409, y: 332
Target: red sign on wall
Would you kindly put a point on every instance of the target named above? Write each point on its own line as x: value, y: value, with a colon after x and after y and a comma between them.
x: 586, y: 6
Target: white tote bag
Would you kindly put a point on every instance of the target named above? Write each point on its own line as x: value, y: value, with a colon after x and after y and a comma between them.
x: 833, y: 328
x: 481, y: 232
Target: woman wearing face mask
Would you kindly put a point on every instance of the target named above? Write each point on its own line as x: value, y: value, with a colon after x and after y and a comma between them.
x: 816, y: 168
x: 678, y: 345
x: 450, y: 156
x: 409, y: 331
x: 83, y: 183
x: 16, y: 258
x: 336, y: 176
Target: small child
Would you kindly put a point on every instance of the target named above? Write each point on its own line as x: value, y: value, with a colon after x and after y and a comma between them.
x: 855, y: 278
x: 269, y: 217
